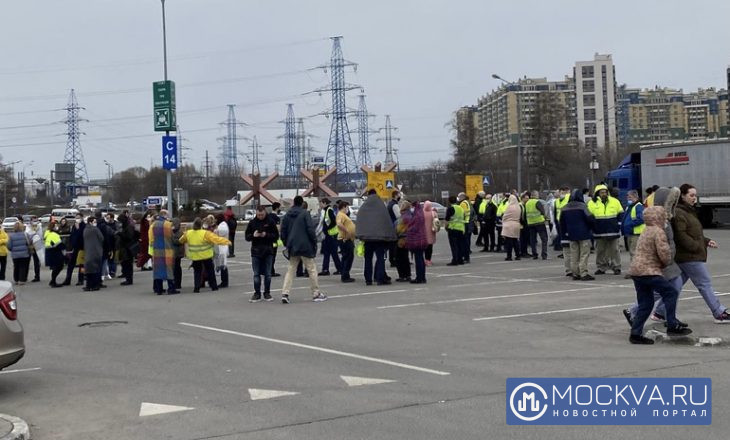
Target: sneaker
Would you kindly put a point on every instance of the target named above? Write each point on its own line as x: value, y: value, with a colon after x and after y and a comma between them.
x: 561, y: 256
x: 319, y: 297
x: 657, y: 317
x: 348, y: 280
x: 678, y: 331
x: 173, y: 292
x: 385, y: 283
x: 275, y: 274
x: 627, y: 315
x: 587, y: 278
x: 324, y: 273
x: 599, y: 272
x: 617, y: 271
x: 724, y: 318
x: 285, y: 299
x: 569, y: 274
x: 627, y: 277
x: 337, y: 272
x: 576, y: 277
x: 641, y: 340
x: 267, y: 297
x: 256, y: 297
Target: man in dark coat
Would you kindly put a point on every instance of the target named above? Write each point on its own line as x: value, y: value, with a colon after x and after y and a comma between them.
x: 127, y: 249
x: 93, y: 255
x: 576, y: 223
x: 232, y: 223
x: 76, y: 246
x: 375, y: 228
x: 297, y: 233
x: 262, y: 233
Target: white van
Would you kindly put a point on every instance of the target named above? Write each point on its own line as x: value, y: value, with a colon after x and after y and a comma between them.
x: 59, y: 213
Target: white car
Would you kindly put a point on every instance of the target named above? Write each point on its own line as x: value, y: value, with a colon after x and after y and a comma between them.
x: 249, y: 214
x: 9, y: 223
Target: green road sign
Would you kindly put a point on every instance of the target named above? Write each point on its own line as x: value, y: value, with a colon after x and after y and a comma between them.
x: 164, y: 105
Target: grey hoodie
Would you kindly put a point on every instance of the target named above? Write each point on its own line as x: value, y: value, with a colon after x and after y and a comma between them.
x: 668, y: 198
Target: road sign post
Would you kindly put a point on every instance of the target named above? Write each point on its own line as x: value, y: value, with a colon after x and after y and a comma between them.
x: 169, y: 152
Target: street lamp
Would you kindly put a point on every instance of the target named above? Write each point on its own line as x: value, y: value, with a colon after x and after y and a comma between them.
x: 167, y: 133
x: 519, y: 144
x: 109, y: 170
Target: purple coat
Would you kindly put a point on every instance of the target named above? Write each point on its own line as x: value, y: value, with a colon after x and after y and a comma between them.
x: 416, y: 238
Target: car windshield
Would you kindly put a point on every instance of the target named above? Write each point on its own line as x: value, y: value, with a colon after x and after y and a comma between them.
x: 10, y: 219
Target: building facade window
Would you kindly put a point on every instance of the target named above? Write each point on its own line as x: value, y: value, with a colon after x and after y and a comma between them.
x: 589, y: 86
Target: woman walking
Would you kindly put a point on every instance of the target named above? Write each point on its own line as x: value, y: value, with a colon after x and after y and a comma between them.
x: 432, y: 226
x: 200, y: 250
x: 692, y: 251
x: 417, y: 240
x: 20, y: 252
x: 511, y: 225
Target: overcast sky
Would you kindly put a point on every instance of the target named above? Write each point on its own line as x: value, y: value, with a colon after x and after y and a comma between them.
x: 418, y: 61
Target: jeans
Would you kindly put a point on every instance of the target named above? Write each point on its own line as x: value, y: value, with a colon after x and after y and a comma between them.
x: 309, y: 265
x: 36, y: 266
x: 700, y: 276
x: 198, y: 268
x: 262, y: 268
x: 645, y: 288
x: 456, y: 243
x: 72, y: 266
x: 420, y: 265
x: 535, y: 231
x: 347, y: 248
x: 511, y: 244
x: 429, y: 252
x: 659, y: 309
x: 3, y: 266
x: 329, y: 249
x: 376, y: 248
x: 524, y: 241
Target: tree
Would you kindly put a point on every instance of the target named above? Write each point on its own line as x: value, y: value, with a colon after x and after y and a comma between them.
x: 468, y: 156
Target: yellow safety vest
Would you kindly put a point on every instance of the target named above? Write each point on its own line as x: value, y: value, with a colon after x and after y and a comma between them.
x: 501, y: 208
x: 482, y: 207
x: 198, y: 247
x: 637, y: 229
x: 51, y: 239
x: 333, y: 231
x: 457, y: 220
x: 467, y: 210
x: 534, y: 216
x: 559, y: 204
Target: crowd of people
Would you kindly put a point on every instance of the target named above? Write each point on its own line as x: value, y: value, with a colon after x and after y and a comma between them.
x: 662, y: 233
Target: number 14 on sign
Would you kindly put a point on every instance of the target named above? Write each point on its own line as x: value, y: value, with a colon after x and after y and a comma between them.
x: 169, y: 152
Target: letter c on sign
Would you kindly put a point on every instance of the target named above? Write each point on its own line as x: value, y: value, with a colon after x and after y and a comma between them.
x: 169, y: 145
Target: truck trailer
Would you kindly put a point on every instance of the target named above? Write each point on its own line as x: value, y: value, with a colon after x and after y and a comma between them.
x: 704, y: 164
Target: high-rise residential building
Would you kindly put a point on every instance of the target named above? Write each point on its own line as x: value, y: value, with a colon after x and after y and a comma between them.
x: 467, y: 126
x: 595, y: 94
x: 510, y: 115
x: 662, y: 114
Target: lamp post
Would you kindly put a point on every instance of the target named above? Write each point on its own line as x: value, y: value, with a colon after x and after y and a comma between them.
x: 519, y: 144
x: 167, y: 133
x: 109, y: 172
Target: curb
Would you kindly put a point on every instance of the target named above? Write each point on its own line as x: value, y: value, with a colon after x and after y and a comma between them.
x: 20, y: 429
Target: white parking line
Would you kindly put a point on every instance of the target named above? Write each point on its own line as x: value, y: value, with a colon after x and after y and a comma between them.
x: 550, y: 312
x: 20, y: 371
x: 484, y: 298
x: 320, y: 349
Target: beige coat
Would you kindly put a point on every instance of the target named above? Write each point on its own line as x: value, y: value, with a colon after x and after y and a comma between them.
x: 511, y: 219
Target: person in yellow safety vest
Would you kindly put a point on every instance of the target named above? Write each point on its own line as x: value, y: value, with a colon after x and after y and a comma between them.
x: 54, y: 252
x: 200, y: 250
x: 455, y: 229
x: 633, y: 222
x: 501, y: 208
x: 564, y: 244
x: 606, y: 211
x: 468, y: 209
x: 535, y: 214
x: 329, y: 242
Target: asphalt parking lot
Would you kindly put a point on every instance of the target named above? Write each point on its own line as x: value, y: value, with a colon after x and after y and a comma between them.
x: 400, y: 361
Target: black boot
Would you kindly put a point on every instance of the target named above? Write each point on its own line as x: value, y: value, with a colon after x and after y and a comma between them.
x: 224, y: 278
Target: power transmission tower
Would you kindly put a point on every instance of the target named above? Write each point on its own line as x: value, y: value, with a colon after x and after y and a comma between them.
x: 389, y: 150
x: 340, y: 152
x: 73, y: 153
x: 363, y: 132
x: 229, y: 151
x: 255, y: 156
x: 292, y: 155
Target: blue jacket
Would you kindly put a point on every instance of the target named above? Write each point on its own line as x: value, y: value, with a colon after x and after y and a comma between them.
x: 18, y: 245
x: 627, y: 225
x: 576, y: 222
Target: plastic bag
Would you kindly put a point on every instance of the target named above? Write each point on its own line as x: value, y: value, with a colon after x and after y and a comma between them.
x: 360, y: 249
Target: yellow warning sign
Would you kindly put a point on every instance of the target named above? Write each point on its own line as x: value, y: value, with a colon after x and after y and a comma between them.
x: 474, y: 184
x: 383, y: 183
